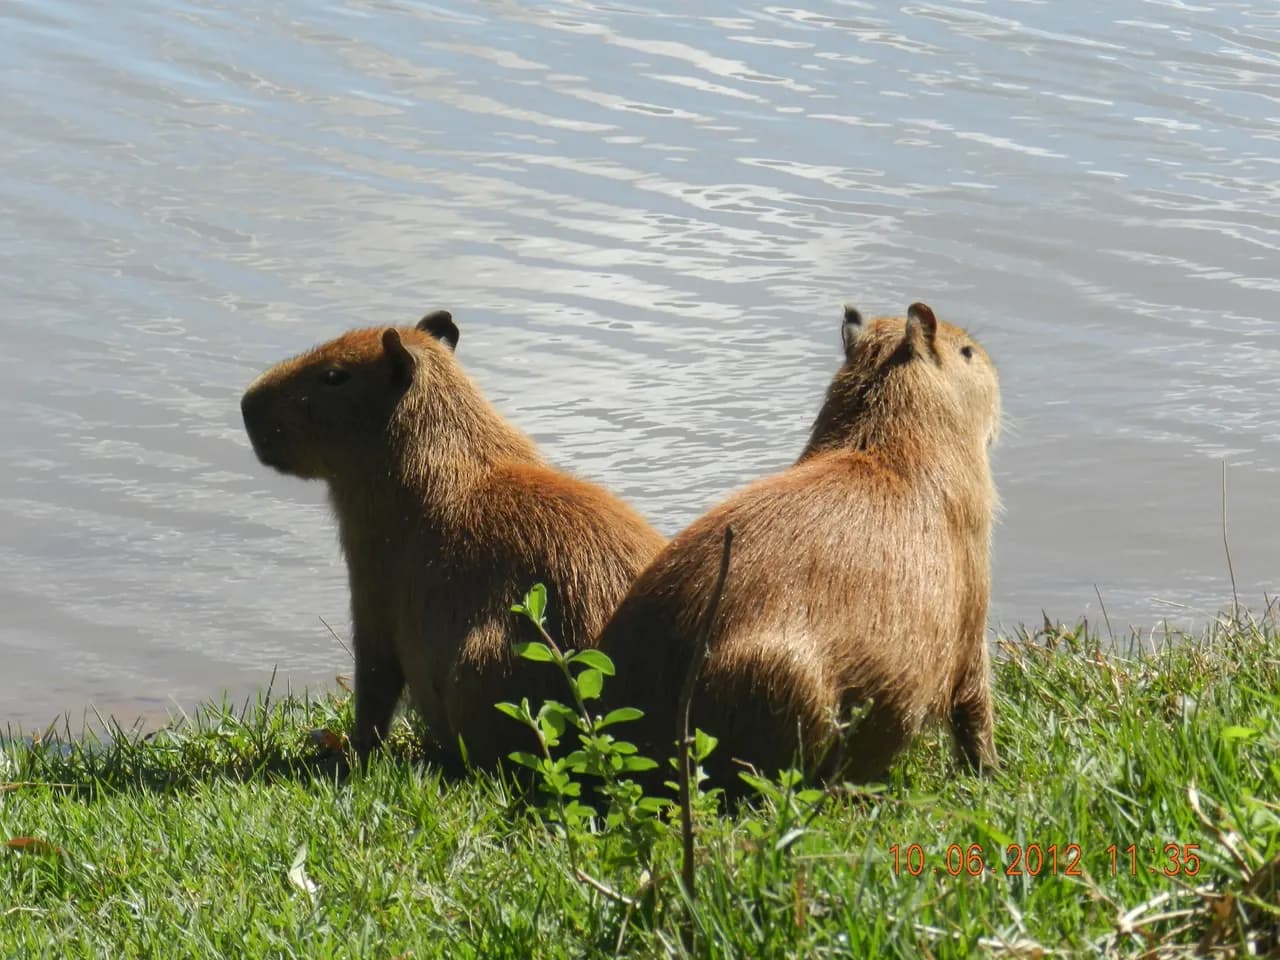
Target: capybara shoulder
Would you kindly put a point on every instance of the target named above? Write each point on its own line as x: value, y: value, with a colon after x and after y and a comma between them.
x: 858, y: 581
x: 447, y: 513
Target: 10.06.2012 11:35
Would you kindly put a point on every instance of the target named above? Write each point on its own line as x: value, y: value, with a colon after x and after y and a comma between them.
x: 1034, y: 860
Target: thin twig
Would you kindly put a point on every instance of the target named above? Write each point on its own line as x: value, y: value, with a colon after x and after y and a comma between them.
x: 583, y: 877
x: 1129, y: 921
x: 335, y: 636
x: 1227, y: 838
x: 1025, y: 947
x: 622, y: 932
x: 1105, y: 618
x: 686, y: 704
x: 1235, y: 597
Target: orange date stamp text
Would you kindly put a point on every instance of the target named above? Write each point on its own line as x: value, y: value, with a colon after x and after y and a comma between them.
x: 1041, y: 860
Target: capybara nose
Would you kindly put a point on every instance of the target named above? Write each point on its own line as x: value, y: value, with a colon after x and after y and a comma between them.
x: 253, y: 409
x: 250, y: 402
x: 259, y: 424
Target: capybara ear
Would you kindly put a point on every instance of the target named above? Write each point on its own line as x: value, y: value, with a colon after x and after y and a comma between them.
x: 439, y: 323
x: 851, y: 327
x: 402, y: 361
x: 921, y: 315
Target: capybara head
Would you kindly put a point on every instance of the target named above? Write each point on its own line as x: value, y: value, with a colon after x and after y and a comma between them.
x: 331, y: 407
x: 914, y: 375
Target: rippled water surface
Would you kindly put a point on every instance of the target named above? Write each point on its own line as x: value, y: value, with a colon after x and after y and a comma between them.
x: 645, y: 221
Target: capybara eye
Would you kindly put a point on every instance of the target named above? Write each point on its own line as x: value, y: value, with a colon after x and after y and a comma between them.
x: 967, y: 352
x: 334, y: 376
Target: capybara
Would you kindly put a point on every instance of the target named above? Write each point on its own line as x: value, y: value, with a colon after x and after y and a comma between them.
x: 447, y: 514
x: 858, y: 578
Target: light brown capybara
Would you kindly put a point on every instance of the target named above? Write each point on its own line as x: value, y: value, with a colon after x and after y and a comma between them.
x: 858, y: 578
x: 447, y: 514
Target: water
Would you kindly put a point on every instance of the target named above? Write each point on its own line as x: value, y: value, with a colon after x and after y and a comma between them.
x: 645, y: 221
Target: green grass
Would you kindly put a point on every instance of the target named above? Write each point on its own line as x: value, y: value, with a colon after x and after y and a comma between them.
x: 230, y: 834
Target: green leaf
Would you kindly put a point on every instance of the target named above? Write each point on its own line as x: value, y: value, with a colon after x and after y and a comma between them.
x: 1236, y: 732
x: 653, y: 804
x: 560, y: 780
x: 510, y: 709
x: 760, y: 785
x: 529, y: 760
x: 621, y: 715
x: 552, y: 728
x: 594, y: 658
x: 703, y: 744
x: 575, y: 812
x: 535, y: 650
x: 589, y: 683
x: 557, y: 715
x: 634, y: 764
x: 536, y: 602
x: 788, y: 838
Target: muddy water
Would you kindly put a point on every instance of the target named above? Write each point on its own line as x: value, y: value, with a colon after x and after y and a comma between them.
x: 645, y: 221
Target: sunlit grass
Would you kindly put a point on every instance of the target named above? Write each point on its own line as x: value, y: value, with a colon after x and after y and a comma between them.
x: 234, y: 833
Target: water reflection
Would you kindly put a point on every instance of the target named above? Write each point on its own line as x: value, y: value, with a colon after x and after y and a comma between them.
x: 645, y: 221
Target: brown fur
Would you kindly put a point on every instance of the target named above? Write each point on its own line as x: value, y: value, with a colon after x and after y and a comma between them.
x: 858, y: 576
x: 447, y: 514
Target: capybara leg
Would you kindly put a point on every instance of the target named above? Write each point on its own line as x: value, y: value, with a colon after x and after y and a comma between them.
x: 761, y: 729
x: 379, y: 682
x: 972, y: 721
x: 868, y: 745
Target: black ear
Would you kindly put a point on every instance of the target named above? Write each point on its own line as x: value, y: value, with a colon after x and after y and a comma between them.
x: 402, y: 361
x: 439, y: 323
x: 921, y: 315
x: 851, y: 328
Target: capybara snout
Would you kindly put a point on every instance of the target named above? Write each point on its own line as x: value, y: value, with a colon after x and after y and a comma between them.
x: 311, y: 416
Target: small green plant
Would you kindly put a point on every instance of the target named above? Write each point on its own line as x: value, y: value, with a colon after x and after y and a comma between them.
x: 599, y: 757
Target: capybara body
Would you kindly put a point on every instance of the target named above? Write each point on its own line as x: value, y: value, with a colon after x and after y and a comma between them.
x: 858, y: 578
x: 447, y: 514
